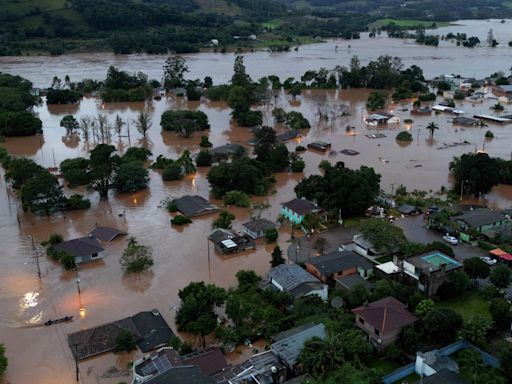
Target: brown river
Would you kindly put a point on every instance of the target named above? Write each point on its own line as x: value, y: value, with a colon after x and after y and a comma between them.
x: 180, y: 255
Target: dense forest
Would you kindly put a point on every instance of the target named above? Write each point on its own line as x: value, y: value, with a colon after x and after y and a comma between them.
x: 181, y: 26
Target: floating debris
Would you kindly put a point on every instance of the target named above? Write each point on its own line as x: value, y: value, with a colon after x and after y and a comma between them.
x: 452, y: 145
x: 349, y: 152
x: 375, y: 136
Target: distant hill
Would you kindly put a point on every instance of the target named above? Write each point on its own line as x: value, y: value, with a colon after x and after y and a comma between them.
x: 159, y: 26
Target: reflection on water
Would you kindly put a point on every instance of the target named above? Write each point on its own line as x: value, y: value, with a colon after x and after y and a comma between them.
x: 181, y: 254
x: 28, y: 313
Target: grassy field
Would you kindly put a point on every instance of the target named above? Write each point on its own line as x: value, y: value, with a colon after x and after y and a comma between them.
x: 407, y: 23
x: 469, y: 304
x: 385, y: 366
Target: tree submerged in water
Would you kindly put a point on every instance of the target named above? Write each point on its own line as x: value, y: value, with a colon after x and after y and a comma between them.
x: 136, y: 257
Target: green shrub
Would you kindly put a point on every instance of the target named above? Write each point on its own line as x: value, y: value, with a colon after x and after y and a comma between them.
x: 404, y: 136
x: 297, y: 165
x: 485, y: 245
x: 300, y: 148
x: 180, y: 220
x: 171, y: 206
x: 489, y: 135
x: 77, y: 201
x: 161, y: 162
x: 237, y: 198
x: 249, y: 118
x: 172, y: 172
x: 204, y: 158
x: 271, y: 235
x: 205, y: 143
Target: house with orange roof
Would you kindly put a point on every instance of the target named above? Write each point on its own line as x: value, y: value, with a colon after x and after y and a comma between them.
x: 383, y: 320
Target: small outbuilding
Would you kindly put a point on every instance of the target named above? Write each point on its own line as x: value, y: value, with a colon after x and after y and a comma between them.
x: 106, y: 233
x: 256, y: 228
x: 319, y: 145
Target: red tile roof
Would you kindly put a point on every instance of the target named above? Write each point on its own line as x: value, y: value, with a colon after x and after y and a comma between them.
x: 385, y: 315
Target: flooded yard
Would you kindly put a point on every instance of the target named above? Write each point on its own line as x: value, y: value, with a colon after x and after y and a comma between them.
x: 181, y: 254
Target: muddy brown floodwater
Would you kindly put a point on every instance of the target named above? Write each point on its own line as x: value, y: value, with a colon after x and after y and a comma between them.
x: 447, y: 58
x: 180, y: 255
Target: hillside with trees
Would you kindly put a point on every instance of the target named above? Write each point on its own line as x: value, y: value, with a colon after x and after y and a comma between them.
x: 181, y: 26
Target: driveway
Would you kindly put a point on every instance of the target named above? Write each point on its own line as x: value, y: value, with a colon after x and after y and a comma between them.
x: 415, y: 231
x: 302, y: 249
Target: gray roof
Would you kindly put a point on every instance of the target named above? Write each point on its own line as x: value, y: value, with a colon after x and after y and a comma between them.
x: 444, y: 376
x: 182, y: 375
x: 106, y: 233
x: 506, y: 88
x: 258, y: 225
x: 301, y: 206
x: 438, y: 361
x: 466, y: 120
x: 194, y: 205
x: 352, y: 280
x: 226, y: 149
x: 281, y: 138
x: 83, y: 246
x: 288, y: 348
x: 338, y: 261
x: 480, y: 217
x: 291, y: 276
x: 258, y: 367
x: 407, y: 209
x: 153, y: 329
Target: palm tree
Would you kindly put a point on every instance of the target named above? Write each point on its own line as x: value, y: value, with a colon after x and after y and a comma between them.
x: 432, y: 127
x: 321, y: 356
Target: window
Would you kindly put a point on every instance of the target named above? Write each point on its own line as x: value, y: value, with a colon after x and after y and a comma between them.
x: 94, y: 255
x: 377, y: 332
x: 361, y: 320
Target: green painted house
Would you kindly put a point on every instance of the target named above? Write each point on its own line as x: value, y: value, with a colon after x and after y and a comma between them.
x: 295, y: 210
x: 482, y: 220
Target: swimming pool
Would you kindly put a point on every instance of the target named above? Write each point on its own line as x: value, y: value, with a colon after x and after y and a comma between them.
x: 437, y: 258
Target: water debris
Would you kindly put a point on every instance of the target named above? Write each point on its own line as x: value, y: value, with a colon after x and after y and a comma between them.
x: 375, y: 135
x: 453, y: 145
x: 349, y: 152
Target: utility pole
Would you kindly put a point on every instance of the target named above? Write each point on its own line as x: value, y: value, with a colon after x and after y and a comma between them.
x: 209, y: 267
x: 77, y: 370
x: 35, y: 252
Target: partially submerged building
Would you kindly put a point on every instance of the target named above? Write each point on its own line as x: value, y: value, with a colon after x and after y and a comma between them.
x: 295, y: 210
x: 191, y: 206
x: 381, y: 119
x: 227, y: 241
x: 149, y: 329
x: 83, y: 249
x: 257, y: 228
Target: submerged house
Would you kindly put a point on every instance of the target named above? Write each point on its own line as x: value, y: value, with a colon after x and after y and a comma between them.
x: 295, y: 210
x: 83, y: 249
x: 226, y: 241
x: 381, y: 119
x: 191, y: 206
x: 256, y: 228
x: 226, y: 151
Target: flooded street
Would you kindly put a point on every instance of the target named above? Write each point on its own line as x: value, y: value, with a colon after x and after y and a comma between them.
x: 181, y: 255
x: 447, y: 58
